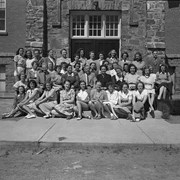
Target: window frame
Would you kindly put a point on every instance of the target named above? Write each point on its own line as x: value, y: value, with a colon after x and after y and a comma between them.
x: 103, y: 23
x: 4, y: 31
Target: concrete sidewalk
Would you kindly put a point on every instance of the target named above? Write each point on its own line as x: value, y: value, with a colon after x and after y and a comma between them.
x: 149, y: 131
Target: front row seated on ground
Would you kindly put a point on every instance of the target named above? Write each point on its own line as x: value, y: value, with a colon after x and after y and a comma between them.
x: 103, y: 104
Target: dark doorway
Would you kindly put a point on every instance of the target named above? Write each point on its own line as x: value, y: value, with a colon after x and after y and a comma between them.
x: 96, y: 45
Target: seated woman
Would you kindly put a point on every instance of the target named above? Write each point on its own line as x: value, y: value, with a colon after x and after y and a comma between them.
x: 67, y: 100
x: 112, y: 100
x: 163, y: 82
x: 104, y: 78
x: 32, y: 73
x: 148, y: 79
x: 139, y: 99
x: 72, y: 77
x: 97, y: 97
x: 125, y: 69
x: 82, y: 100
x: 78, y: 69
x: 124, y: 107
x: 31, y: 96
x: 21, y: 82
x: 63, y: 67
x: 132, y: 78
x: 47, y: 101
x: 118, y: 79
x: 93, y: 68
x: 124, y: 59
x: 19, y: 97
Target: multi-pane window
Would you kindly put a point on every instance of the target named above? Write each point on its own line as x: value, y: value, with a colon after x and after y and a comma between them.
x: 112, y: 25
x: 88, y: 25
x: 2, y: 15
x: 78, y: 25
x: 95, y: 26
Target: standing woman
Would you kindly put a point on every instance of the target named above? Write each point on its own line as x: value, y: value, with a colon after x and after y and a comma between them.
x: 163, y: 81
x: 82, y: 57
x: 112, y: 56
x: 132, y: 78
x: 31, y: 96
x: 139, y: 63
x: 124, y: 107
x: 63, y: 58
x: 149, y: 80
x: 67, y: 101
x: 82, y: 100
x: 139, y: 99
x: 19, y: 63
x: 97, y: 97
x: 124, y: 59
x: 29, y: 59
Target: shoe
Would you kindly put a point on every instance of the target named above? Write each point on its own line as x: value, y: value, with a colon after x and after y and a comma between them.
x: 79, y: 118
x: 31, y: 116
x: 138, y: 119
x: 130, y: 117
x: 27, y: 116
x: 47, y: 116
x: 152, y: 113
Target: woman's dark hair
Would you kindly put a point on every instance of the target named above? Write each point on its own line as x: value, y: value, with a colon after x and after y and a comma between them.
x: 17, y: 52
x: 64, y: 63
x: 143, y: 71
x: 132, y: 65
x: 26, y: 54
x: 49, y: 82
x: 63, y: 50
x: 140, y: 56
x: 82, y: 82
x: 78, y: 64
x: 111, y: 85
x: 161, y: 66
x: 24, y: 90
x: 125, y: 64
x: 125, y: 83
x: 69, y: 65
x: 103, y: 66
x: 68, y: 82
x: 76, y: 54
x: 105, y: 61
x: 95, y: 65
x: 124, y: 53
x: 32, y: 81
x: 140, y: 82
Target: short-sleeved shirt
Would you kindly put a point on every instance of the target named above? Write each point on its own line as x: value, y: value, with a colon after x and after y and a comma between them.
x: 113, y: 97
x: 148, y: 81
x: 62, y: 59
x: 29, y: 63
x: 131, y: 79
x: 125, y: 97
x: 83, y: 95
x: 140, y: 96
x: 53, y: 94
x: 20, y: 61
x: 30, y: 92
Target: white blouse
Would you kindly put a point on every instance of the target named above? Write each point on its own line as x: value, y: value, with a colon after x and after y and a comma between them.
x: 140, y: 96
x: 113, y: 97
x: 123, y: 97
x: 82, y: 95
x: 148, y: 81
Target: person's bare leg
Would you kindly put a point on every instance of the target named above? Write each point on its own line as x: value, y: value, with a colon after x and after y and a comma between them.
x: 164, y: 93
x: 160, y: 92
x: 27, y: 109
x: 92, y: 107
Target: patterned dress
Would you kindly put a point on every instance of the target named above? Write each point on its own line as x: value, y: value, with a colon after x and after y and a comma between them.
x: 63, y: 107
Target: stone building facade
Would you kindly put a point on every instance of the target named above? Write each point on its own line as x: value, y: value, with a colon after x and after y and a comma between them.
x: 133, y: 25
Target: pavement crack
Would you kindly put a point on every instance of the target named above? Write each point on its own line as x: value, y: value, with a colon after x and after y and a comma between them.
x: 146, y: 134
x: 46, y: 132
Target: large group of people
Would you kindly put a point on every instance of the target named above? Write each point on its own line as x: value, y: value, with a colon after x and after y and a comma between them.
x: 109, y: 87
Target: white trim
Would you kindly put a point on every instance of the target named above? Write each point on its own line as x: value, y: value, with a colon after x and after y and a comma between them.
x: 5, y: 19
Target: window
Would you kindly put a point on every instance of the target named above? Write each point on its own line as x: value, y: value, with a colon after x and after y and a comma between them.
x: 2, y: 15
x: 86, y: 24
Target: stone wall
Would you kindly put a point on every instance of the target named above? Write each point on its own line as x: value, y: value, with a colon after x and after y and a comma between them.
x: 156, y: 25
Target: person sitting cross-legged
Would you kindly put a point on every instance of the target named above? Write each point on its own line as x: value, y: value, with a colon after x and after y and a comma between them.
x: 82, y: 100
